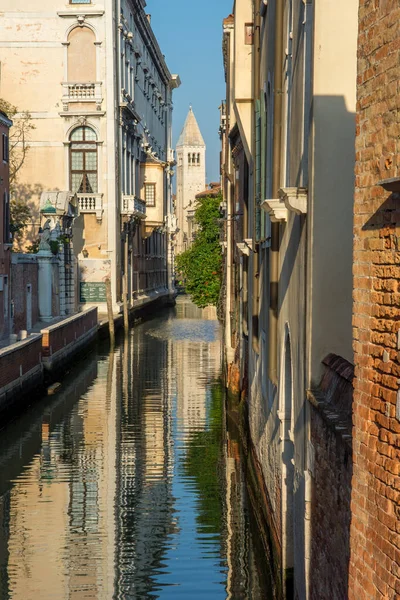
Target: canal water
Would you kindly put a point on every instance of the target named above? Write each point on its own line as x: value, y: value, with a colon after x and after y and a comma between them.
x: 127, y: 483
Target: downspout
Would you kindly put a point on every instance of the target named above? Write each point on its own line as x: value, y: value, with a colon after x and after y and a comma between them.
x: 276, y: 178
x: 255, y: 255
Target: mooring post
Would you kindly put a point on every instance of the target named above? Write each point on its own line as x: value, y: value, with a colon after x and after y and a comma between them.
x: 125, y: 286
x: 110, y: 311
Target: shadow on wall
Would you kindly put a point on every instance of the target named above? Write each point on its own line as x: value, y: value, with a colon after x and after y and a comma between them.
x: 331, y: 195
x: 78, y: 240
x: 28, y: 195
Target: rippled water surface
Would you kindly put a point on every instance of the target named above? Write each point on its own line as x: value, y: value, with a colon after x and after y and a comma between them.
x: 127, y: 484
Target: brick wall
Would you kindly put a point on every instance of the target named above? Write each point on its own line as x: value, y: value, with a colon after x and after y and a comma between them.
x: 62, y: 334
x: 331, y: 471
x: 19, y: 359
x: 375, y: 530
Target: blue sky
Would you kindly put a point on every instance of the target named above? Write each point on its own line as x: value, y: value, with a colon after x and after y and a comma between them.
x: 190, y: 36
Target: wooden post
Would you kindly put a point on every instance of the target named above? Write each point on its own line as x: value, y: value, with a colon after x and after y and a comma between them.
x: 110, y: 311
x: 125, y: 286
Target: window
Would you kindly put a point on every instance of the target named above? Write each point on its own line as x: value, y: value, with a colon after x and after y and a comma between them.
x: 189, y: 158
x: 248, y: 33
x: 5, y: 148
x: 198, y: 159
x: 150, y: 194
x: 80, y: 1
x: 6, y: 218
x: 83, y: 161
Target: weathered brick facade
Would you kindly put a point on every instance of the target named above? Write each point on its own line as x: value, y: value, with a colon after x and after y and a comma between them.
x: 331, y: 469
x: 375, y: 529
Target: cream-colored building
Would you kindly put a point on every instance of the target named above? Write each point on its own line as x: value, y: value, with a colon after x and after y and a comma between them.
x: 288, y: 132
x: 190, y: 179
x: 94, y: 79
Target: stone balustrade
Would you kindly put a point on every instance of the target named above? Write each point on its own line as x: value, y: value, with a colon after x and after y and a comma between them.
x: 91, y: 203
x: 133, y: 206
x: 82, y: 92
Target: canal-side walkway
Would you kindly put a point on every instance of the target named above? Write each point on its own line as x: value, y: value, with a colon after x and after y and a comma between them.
x: 46, y: 350
x: 26, y: 364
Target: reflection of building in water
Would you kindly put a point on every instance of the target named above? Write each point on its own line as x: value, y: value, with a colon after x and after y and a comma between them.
x: 4, y: 533
x: 145, y: 500
x: 196, y: 359
x: 94, y: 492
x: 194, y: 363
x: 245, y: 578
x: 61, y: 535
x: 187, y: 310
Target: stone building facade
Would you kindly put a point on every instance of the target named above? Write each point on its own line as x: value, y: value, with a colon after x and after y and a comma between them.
x: 190, y: 179
x: 287, y: 132
x: 375, y: 531
x: 100, y: 95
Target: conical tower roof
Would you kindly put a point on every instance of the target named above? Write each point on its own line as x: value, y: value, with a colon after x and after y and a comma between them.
x: 190, y: 135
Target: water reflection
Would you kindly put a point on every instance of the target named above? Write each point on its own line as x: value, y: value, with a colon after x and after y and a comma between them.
x: 127, y: 484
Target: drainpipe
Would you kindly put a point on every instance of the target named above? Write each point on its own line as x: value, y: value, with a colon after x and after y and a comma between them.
x: 276, y: 175
x: 255, y: 255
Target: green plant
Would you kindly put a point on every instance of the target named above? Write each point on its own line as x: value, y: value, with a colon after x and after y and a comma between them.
x: 201, y: 265
x: 54, y: 246
x: 33, y: 248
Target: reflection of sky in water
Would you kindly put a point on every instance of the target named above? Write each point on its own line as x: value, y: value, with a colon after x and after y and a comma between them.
x: 117, y: 486
x: 192, y: 330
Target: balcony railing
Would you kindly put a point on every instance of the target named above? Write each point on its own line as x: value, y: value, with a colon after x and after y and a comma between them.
x: 91, y: 203
x: 133, y: 206
x: 81, y: 92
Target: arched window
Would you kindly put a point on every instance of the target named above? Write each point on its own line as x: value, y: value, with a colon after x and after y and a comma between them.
x: 83, y: 161
x: 81, y: 55
x: 198, y: 158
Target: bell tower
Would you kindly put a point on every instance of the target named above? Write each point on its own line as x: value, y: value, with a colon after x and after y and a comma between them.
x: 190, y: 178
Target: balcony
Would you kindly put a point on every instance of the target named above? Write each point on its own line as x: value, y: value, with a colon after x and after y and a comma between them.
x: 91, y: 203
x: 82, y: 92
x: 132, y: 206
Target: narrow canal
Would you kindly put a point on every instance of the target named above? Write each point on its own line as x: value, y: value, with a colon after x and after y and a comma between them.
x: 128, y: 484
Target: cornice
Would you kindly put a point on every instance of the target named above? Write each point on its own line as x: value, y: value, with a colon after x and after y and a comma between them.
x: 295, y: 199
x: 276, y: 209
x: 83, y: 12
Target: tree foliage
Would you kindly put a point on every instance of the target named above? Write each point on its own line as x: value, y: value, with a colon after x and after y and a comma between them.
x: 200, y: 266
x: 203, y: 463
x: 20, y: 212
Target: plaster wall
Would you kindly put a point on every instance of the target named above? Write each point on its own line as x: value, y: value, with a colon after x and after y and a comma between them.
x: 332, y: 182
x: 243, y: 53
x: 155, y: 174
x: 32, y: 73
